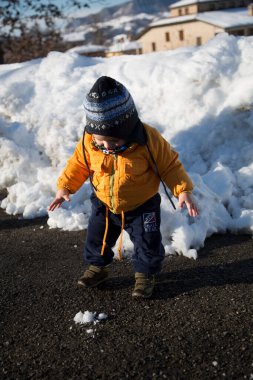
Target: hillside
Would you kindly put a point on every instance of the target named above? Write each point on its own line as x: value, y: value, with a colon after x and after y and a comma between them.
x: 130, y: 17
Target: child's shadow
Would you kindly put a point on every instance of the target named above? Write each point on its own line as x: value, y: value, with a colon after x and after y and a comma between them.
x: 170, y: 285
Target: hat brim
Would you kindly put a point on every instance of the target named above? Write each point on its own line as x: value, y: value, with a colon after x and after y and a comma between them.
x: 138, y: 134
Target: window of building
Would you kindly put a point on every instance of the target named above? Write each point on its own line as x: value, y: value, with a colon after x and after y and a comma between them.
x: 180, y: 12
x: 186, y: 11
x: 199, y: 41
x: 238, y: 32
x: 167, y: 37
x: 153, y: 46
x: 181, y: 35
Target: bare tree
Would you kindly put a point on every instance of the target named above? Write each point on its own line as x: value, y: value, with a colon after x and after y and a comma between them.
x: 29, y: 27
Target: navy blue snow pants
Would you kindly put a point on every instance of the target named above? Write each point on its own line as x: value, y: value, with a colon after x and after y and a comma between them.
x: 143, y: 227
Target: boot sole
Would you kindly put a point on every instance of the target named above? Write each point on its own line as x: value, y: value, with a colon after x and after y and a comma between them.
x: 80, y: 284
x: 135, y: 295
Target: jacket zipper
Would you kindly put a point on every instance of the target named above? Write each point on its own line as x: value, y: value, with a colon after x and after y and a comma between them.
x: 112, y: 180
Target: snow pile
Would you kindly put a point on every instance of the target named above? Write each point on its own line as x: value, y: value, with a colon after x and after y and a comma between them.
x: 200, y: 99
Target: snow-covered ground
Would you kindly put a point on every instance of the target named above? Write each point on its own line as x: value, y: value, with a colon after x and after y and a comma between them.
x: 201, y: 100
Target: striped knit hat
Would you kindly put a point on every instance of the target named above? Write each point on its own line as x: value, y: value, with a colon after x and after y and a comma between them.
x: 110, y: 111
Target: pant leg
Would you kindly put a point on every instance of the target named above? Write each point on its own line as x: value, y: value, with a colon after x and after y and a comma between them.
x: 95, y: 234
x: 143, y: 226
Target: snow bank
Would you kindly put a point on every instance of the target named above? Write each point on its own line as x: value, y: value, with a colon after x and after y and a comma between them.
x: 200, y: 99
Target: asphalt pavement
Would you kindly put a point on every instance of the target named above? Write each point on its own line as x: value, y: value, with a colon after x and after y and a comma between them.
x: 197, y: 325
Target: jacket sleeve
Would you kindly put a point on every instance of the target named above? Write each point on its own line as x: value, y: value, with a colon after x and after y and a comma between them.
x: 170, y: 168
x: 75, y: 172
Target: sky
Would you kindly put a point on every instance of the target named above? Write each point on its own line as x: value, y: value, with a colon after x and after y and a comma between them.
x: 97, y: 5
x: 199, y: 98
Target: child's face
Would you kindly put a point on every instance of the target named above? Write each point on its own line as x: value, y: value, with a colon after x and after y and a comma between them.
x: 108, y: 142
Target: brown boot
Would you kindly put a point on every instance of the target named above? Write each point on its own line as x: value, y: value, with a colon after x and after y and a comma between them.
x: 144, y: 285
x: 93, y: 276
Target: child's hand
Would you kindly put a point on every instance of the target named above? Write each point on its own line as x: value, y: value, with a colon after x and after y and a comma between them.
x: 190, y: 204
x: 61, y: 196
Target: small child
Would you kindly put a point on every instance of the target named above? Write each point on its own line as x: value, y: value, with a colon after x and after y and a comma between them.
x: 125, y: 161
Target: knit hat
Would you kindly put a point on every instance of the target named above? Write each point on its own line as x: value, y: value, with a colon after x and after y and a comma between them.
x: 110, y: 111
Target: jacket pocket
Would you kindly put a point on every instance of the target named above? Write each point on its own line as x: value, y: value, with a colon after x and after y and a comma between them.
x: 97, y: 171
x: 136, y: 170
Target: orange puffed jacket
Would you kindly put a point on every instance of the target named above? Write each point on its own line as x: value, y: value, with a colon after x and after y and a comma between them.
x: 126, y: 180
